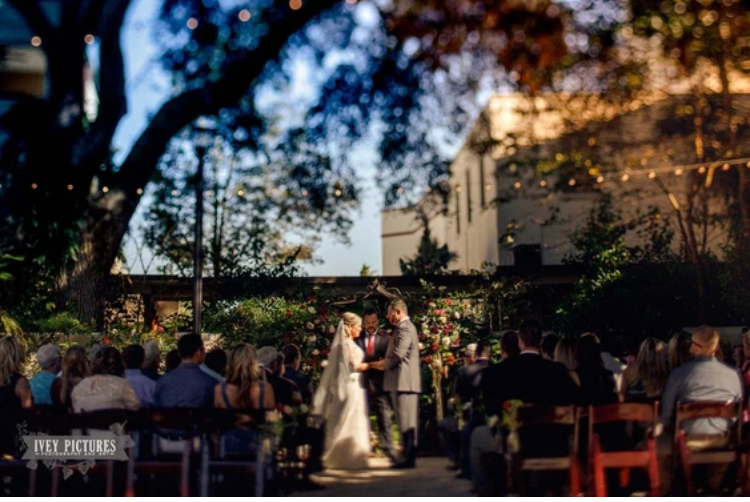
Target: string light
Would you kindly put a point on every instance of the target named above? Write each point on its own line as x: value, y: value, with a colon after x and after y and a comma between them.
x: 89, y: 39
x: 625, y: 177
x: 543, y: 183
x: 338, y: 192
x: 244, y: 15
x: 304, y: 192
x: 702, y: 170
x: 105, y: 189
x: 458, y: 189
x: 139, y: 191
x: 488, y: 187
x: 517, y: 184
x: 351, y: 1
x: 600, y: 179
x: 240, y: 192
x: 295, y: 4
x: 651, y: 175
x: 34, y: 186
x: 678, y: 171
x: 174, y: 192
x: 725, y: 167
x: 572, y: 182
x: 36, y: 41
x: 70, y: 187
x: 192, y: 23
x: 400, y: 190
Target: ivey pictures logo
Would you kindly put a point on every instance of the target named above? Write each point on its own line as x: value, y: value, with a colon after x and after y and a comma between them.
x: 75, y: 452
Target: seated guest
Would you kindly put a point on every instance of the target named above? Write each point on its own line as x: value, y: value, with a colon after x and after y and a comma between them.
x: 745, y: 371
x: 630, y: 373
x: 215, y: 364
x: 467, y: 392
x: 243, y: 389
x: 292, y: 359
x: 738, y: 357
x: 680, y: 350
x: 186, y: 386
x: 448, y: 426
x: 565, y: 354
x: 106, y: 388
x: 549, y: 343
x: 598, y: 384
x: 652, y: 372
x: 151, y: 360
x: 50, y: 360
x: 702, y: 379
x: 15, y: 393
x: 75, y: 367
x: 144, y: 386
x: 509, y: 345
x: 285, y: 391
x: 172, y: 360
x: 529, y: 378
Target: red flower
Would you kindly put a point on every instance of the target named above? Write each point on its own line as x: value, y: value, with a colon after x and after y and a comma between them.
x: 427, y: 359
x: 289, y: 313
x: 106, y: 341
x: 324, y: 352
x: 434, y: 347
x: 506, y: 405
x: 448, y: 301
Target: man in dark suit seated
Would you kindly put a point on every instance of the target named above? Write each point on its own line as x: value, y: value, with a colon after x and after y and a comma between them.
x: 467, y: 392
x: 292, y: 358
x: 529, y: 378
x: 374, y: 343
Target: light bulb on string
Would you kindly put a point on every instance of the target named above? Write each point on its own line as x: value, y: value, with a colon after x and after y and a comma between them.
x: 34, y: 186
x: 488, y: 187
x: 70, y: 187
x: 652, y: 175
x: 295, y: 4
x: 244, y: 15
x: 702, y: 170
x: 139, y: 191
x: 338, y: 192
x: 89, y: 39
x: 304, y: 192
x: 458, y: 188
x: 572, y: 182
x: 600, y: 179
x: 625, y: 177
x: 543, y: 183
x: 400, y: 190
x: 36, y: 41
x: 725, y: 167
x: 174, y: 192
x: 105, y: 189
x: 240, y: 192
x: 192, y: 23
x: 678, y: 171
x: 517, y: 184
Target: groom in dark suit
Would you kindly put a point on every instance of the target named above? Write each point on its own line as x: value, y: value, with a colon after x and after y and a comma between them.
x: 374, y: 343
x: 403, y: 377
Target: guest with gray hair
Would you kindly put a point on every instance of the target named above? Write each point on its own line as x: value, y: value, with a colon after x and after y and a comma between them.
x: 152, y: 360
x: 49, y: 358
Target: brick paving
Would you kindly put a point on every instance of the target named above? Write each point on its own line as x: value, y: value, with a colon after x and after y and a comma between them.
x: 429, y: 479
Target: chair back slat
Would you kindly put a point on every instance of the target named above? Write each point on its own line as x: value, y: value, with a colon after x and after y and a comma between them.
x: 707, y: 409
x: 529, y: 414
x: 624, y: 412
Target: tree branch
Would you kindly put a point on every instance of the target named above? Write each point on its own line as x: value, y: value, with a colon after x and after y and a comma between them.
x: 175, y: 114
x: 94, y: 146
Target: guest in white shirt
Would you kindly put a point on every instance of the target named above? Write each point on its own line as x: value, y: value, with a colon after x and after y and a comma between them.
x: 106, y: 389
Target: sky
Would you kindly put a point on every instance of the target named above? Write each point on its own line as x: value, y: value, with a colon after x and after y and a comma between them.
x: 147, y: 89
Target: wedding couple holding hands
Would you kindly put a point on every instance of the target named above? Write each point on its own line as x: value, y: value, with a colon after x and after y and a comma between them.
x: 383, y: 367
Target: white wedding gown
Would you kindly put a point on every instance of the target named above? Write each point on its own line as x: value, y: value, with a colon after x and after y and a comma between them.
x: 347, y: 442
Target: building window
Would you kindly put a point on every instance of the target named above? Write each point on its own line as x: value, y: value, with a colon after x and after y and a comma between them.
x: 468, y: 195
x: 482, y: 183
x: 458, y: 209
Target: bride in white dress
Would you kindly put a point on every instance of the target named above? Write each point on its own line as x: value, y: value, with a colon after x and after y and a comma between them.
x: 340, y: 400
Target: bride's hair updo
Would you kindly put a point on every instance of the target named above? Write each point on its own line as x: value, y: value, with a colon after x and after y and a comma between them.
x: 350, y: 319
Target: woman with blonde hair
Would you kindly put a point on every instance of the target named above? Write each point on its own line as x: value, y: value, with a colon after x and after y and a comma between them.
x: 652, y: 372
x: 15, y: 391
x: 75, y: 367
x: 244, y: 387
x: 679, y: 350
x: 565, y: 353
x: 341, y: 401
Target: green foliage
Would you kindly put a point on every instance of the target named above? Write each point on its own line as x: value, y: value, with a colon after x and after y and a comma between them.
x: 431, y: 259
x: 65, y: 324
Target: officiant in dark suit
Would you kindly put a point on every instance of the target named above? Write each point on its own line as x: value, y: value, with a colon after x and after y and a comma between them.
x: 374, y: 343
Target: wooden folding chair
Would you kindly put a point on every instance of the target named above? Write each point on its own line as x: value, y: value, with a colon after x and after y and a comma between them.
x: 558, y: 417
x: 715, y: 449
x: 600, y: 460
x: 217, y: 461
x: 182, y: 424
